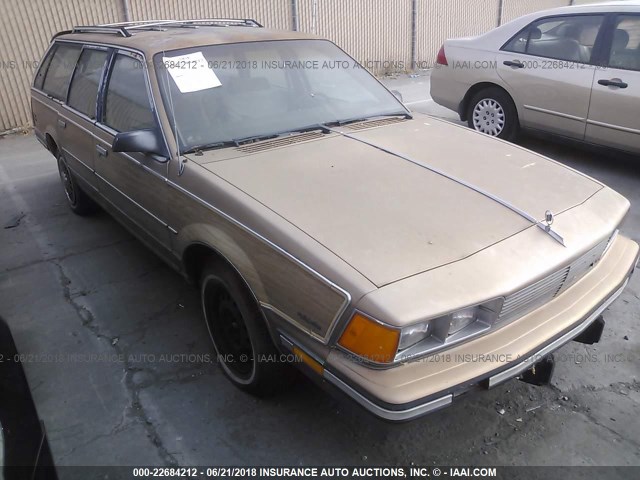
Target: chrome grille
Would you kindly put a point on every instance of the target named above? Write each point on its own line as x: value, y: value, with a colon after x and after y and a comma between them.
x: 528, y: 299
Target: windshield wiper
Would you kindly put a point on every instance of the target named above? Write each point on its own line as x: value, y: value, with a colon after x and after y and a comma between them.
x: 347, y: 121
x: 255, y: 138
x: 308, y: 128
x: 198, y: 149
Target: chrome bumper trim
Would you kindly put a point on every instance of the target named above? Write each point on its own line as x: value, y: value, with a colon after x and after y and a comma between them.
x: 394, y: 415
x: 567, y: 337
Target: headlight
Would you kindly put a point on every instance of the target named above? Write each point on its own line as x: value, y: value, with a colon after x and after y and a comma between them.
x: 435, y: 334
x: 413, y: 334
x: 380, y: 343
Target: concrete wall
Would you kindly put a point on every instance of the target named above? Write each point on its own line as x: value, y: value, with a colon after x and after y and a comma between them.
x: 376, y: 32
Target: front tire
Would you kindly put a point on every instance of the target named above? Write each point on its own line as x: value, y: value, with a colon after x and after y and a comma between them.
x: 79, y: 202
x: 492, y: 111
x: 239, y: 334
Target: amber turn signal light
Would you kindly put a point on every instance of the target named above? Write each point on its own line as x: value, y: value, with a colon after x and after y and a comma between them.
x: 370, y: 339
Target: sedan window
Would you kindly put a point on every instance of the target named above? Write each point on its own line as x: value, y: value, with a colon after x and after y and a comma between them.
x: 625, y: 46
x: 127, y: 106
x: 569, y: 38
x: 60, y: 69
x: 86, y: 79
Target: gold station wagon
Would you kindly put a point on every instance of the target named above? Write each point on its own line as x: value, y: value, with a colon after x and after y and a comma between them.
x: 399, y: 258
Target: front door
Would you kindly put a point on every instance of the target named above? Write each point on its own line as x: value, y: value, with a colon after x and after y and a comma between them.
x: 548, y: 67
x: 614, y: 115
x: 133, y: 183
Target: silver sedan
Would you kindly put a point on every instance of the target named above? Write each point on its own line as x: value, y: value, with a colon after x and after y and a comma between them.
x: 572, y: 71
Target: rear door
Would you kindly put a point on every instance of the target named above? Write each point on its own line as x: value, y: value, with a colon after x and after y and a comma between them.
x: 549, y: 68
x: 55, y: 85
x: 76, y: 122
x: 133, y: 183
x: 614, y: 114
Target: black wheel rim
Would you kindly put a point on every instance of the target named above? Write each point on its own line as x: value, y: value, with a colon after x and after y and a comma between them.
x: 228, y: 330
x: 67, y: 182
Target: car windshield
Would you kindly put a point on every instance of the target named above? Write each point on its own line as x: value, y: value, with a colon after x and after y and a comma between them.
x: 221, y: 94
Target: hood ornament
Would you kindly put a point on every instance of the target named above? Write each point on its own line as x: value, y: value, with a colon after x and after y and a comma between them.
x: 546, y: 226
x: 548, y: 218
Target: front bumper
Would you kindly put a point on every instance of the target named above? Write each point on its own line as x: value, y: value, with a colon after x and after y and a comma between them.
x: 419, y: 387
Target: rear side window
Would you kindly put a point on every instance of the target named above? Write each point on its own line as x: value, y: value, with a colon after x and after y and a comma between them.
x: 83, y: 92
x: 44, y: 66
x: 56, y: 80
x: 127, y: 106
x: 570, y: 38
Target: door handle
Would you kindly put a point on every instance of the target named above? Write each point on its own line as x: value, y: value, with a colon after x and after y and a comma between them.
x: 614, y: 82
x: 62, y: 123
x: 514, y: 63
x: 101, y: 151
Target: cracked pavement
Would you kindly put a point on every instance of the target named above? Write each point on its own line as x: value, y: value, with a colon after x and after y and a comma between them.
x: 122, y: 373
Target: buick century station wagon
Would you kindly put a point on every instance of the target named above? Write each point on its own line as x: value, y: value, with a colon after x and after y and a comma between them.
x: 321, y: 218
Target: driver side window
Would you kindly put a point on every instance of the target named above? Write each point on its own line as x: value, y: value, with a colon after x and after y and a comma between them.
x: 127, y: 105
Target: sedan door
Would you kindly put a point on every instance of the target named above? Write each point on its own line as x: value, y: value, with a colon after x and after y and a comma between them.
x: 549, y: 68
x: 134, y: 184
x: 614, y: 112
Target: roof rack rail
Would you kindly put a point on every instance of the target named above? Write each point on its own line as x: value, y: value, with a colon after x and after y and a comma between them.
x: 241, y: 22
x: 134, y: 23
x: 102, y: 29
x: 124, y: 28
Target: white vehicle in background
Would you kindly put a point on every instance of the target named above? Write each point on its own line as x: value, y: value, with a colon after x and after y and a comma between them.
x: 572, y: 71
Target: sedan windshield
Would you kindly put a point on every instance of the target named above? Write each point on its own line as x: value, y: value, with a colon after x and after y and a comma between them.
x: 223, y: 94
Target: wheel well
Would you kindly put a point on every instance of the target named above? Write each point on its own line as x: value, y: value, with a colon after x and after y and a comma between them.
x: 464, y: 105
x: 194, y: 259
x: 51, y: 145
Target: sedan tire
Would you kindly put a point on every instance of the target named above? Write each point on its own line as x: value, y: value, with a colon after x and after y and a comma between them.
x: 493, y: 112
x: 239, y: 334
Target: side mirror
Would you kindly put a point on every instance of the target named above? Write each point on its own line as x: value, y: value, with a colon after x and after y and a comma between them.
x: 397, y: 94
x: 139, y: 141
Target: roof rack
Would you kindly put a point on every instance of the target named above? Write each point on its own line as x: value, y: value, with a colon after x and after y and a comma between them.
x: 124, y: 28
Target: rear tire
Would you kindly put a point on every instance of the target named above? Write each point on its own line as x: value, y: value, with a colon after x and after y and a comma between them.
x: 239, y: 334
x: 492, y: 111
x: 79, y: 202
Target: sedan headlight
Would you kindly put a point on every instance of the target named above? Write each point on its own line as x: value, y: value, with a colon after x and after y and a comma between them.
x: 380, y: 343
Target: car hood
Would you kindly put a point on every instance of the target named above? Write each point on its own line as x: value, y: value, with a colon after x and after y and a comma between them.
x: 391, y: 218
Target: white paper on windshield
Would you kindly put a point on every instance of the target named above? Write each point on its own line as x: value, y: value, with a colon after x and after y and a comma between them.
x: 191, y: 72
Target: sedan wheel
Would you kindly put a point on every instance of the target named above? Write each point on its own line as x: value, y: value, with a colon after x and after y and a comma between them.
x: 488, y: 117
x: 491, y: 111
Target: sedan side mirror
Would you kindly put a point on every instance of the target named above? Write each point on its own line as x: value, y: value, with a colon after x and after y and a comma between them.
x: 139, y: 141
